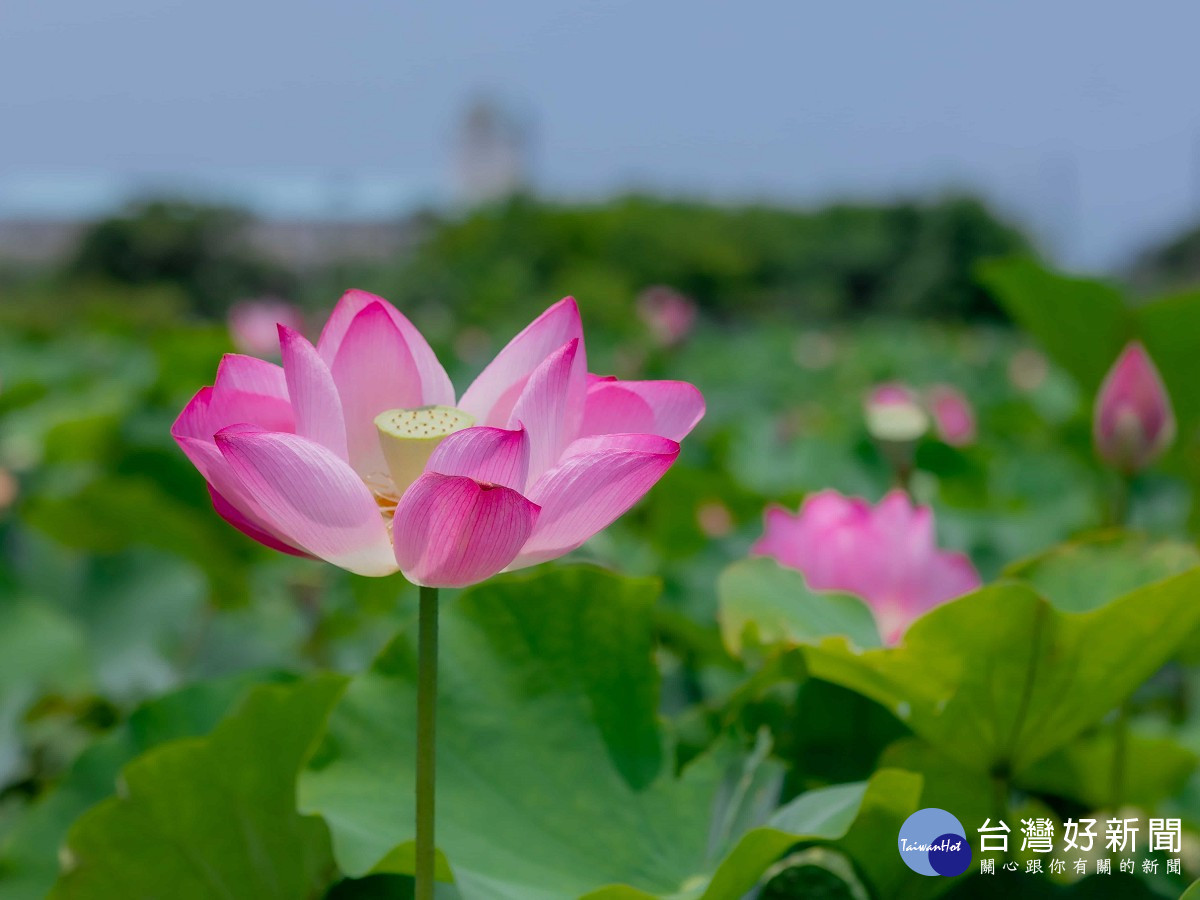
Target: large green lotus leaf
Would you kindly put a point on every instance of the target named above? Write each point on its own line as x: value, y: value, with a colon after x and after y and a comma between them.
x: 1000, y: 678
x: 965, y: 792
x: 1085, y: 574
x: 858, y: 819
x: 384, y: 887
x: 766, y: 603
x: 29, y: 851
x: 213, y: 816
x: 1082, y: 324
x: 1170, y: 327
x: 1008, y: 885
x: 546, y: 736
x: 1155, y: 768
x: 829, y: 733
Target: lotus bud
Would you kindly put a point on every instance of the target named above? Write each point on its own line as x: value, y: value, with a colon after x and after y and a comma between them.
x: 668, y: 314
x: 894, y: 414
x: 896, y: 420
x: 1133, y: 422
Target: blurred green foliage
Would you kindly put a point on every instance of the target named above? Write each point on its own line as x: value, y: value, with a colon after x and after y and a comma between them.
x: 736, y: 261
x: 1171, y: 265
x: 199, y: 250
x: 599, y: 727
x: 488, y: 266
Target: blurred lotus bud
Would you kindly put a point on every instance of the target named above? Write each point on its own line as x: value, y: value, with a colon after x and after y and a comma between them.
x: 668, y: 314
x: 1133, y: 422
x: 896, y: 420
x: 953, y: 418
x: 894, y: 414
x: 253, y: 325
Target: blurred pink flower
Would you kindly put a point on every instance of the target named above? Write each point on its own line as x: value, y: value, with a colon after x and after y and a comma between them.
x: 952, y: 415
x: 668, y: 314
x: 898, y: 414
x: 892, y: 393
x: 358, y: 452
x: 886, y: 554
x: 253, y: 325
x: 1133, y: 422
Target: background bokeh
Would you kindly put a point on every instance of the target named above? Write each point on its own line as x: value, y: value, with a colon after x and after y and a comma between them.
x: 842, y: 195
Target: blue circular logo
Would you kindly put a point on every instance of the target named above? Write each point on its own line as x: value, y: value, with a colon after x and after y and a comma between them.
x: 933, y: 842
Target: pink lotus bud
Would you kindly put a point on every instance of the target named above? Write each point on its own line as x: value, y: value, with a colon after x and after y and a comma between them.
x: 886, y: 554
x: 668, y: 314
x: 894, y: 414
x: 952, y: 415
x: 253, y: 325
x: 1133, y: 422
x: 359, y: 451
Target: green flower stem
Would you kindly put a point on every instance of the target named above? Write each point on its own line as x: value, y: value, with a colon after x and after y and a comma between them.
x: 1121, y: 499
x: 427, y: 651
x: 1001, y: 794
x: 1120, y: 750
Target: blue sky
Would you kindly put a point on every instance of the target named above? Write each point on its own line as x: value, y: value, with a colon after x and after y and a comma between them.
x: 1080, y: 117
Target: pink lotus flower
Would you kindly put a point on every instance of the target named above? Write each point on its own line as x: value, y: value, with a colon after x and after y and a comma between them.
x: 668, y: 314
x: 952, y: 415
x: 253, y: 325
x: 886, y: 554
x: 1133, y: 422
x: 357, y: 451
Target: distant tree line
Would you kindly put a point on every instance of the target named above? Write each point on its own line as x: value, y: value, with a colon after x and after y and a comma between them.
x: 1173, y: 265
x: 756, y: 261
x: 199, y: 250
x: 906, y: 258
